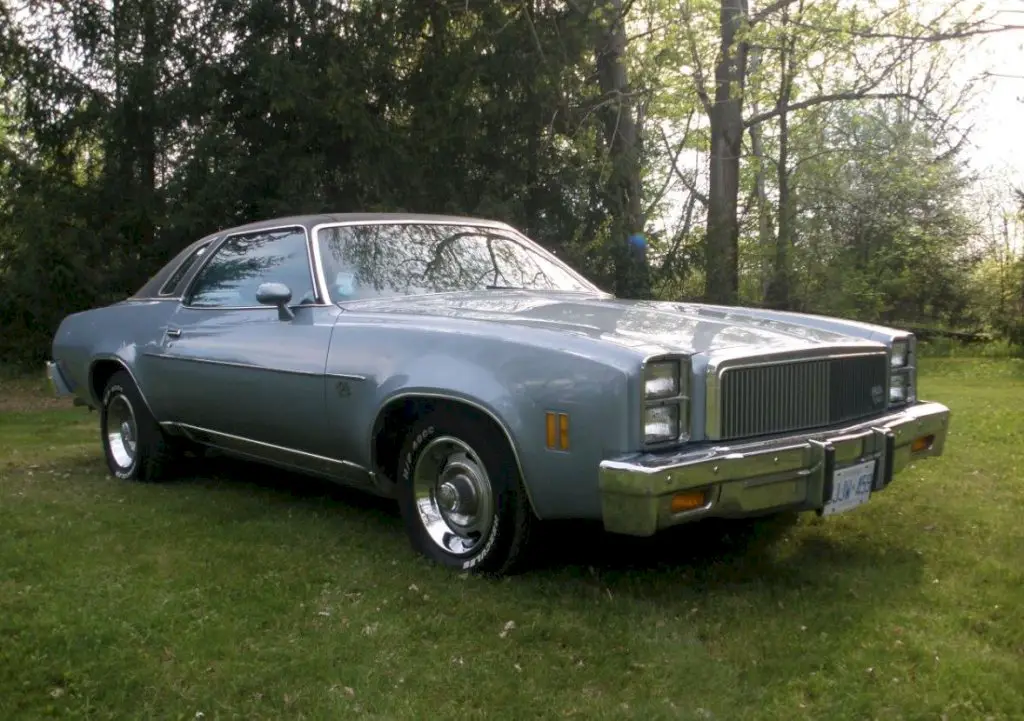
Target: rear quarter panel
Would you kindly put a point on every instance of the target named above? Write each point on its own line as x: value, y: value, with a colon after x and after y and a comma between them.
x: 123, y: 332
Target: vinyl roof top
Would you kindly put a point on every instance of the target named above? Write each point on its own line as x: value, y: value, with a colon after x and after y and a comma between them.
x: 317, y: 218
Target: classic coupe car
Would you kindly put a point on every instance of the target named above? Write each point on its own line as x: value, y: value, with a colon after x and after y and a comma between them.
x: 459, y: 368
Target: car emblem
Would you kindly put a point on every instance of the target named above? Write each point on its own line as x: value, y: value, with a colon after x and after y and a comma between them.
x: 877, y: 394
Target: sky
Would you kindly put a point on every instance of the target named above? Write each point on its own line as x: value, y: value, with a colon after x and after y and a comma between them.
x: 998, y: 112
x: 995, y: 148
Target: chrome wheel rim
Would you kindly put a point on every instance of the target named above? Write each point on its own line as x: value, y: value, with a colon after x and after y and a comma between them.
x: 122, y: 431
x: 453, y: 496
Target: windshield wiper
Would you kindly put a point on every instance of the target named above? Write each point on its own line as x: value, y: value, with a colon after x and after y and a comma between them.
x: 503, y: 287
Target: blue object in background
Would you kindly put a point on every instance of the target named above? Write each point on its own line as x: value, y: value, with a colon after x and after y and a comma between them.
x: 638, y: 241
x: 345, y: 284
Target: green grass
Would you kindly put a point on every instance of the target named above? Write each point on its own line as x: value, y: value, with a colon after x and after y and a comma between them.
x: 948, y: 348
x: 245, y: 593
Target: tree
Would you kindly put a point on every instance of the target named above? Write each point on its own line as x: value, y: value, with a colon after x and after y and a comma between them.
x: 622, y: 137
x: 141, y: 124
x: 884, y: 227
x: 895, y: 38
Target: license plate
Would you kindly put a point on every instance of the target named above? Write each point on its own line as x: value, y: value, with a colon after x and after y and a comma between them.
x: 851, y: 487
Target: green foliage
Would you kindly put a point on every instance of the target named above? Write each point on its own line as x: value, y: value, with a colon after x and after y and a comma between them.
x: 883, y: 232
x: 173, y: 119
x: 129, y: 129
x: 951, y: 348
x: 51, y: 263
x: 997, y: 292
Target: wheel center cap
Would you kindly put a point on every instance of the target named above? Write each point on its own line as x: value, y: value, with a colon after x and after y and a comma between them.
x: 457, y: 496
x: 448, y: 497
x: 126, y: 432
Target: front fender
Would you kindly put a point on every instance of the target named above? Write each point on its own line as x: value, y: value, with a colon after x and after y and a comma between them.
x: 441, y: 376
x: 517, y: 395
x: 515, y: 383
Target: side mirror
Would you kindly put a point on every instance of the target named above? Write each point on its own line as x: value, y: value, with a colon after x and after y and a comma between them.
x: 276, y: 294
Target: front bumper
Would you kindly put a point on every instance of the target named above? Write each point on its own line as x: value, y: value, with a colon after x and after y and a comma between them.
x: 750, y: 479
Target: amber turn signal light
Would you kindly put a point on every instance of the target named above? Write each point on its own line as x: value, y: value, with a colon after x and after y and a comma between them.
x: 557, y: 431
x: 688, y: 501
x: 922, y: 444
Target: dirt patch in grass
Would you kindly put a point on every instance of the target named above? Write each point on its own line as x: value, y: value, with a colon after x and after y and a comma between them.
x: 29, y: 393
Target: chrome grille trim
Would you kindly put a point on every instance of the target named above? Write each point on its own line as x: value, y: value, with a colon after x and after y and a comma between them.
x: 784, y: 394
x: 751, y: 398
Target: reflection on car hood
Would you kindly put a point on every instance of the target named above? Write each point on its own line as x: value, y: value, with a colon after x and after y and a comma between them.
x: 650, y: 326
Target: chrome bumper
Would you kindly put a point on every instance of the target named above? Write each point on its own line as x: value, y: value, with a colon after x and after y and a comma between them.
x: 750, y: 479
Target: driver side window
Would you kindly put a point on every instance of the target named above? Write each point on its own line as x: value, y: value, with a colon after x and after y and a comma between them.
x: 246, y: 261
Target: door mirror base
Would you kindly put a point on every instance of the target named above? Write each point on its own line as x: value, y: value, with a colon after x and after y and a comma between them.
x: 277, y: 294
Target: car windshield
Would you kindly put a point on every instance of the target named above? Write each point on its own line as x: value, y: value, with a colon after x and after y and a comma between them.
x: 394, y: 259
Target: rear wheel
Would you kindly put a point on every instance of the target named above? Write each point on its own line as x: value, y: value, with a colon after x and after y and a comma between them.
x: 461, y: 496
x: 135, y: 446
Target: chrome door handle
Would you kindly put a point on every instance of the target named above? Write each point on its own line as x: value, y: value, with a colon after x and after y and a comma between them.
x: 174, y: 332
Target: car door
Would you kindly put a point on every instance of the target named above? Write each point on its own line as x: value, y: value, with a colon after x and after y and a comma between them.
x: 245, y: 374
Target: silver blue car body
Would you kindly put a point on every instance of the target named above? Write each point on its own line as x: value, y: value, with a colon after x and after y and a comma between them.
x: 640, y: 414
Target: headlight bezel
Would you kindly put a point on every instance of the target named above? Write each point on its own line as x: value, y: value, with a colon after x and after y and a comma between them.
x: 902, y: 371
x: 675, y: 396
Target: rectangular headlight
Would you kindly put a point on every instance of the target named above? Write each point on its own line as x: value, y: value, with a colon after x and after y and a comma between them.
x: 901, y: 387
x: 661, y: 423
x: 900, y: 353
x: 898, y: 389
x: 661, y: 380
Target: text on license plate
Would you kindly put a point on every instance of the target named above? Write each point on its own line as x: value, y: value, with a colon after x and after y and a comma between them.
x: 850, y: 487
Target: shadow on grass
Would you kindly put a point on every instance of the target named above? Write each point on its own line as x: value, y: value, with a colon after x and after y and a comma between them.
x: 763, y: 554
x: 752, y: 556
x: 285, y: 487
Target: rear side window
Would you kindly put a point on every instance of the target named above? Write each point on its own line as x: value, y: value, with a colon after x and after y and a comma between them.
x: 233, y: 274
x: 182, y: 270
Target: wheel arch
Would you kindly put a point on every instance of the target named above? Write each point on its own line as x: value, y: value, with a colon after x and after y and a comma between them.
x: 102, y: 369
x: 401, y: 410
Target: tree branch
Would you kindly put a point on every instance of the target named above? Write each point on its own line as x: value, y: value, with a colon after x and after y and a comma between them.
x: 1009, y: 76
x: 698, y: 69
x: 690, y: 185
x: 768, y: 10
x: 828, y: 98
x: 660, y: 195
x: 670, y: 257
x: 963, y: 33
x: 533, y: 33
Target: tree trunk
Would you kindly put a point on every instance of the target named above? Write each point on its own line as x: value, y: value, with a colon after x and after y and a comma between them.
x: 632, y: 274
x: 722, y: 246
x: 150, y: 74
x: 765, y: 239
x: 777, y: 294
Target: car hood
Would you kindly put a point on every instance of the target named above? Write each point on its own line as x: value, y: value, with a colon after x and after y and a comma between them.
x: 649, y: 326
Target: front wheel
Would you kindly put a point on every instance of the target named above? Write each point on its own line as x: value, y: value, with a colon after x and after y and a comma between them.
x: 461, y: 496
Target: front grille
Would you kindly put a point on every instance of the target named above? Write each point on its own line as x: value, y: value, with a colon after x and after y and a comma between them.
x: 797, y: 395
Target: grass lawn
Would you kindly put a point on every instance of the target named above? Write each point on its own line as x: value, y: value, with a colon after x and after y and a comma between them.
x: 250, y: 594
